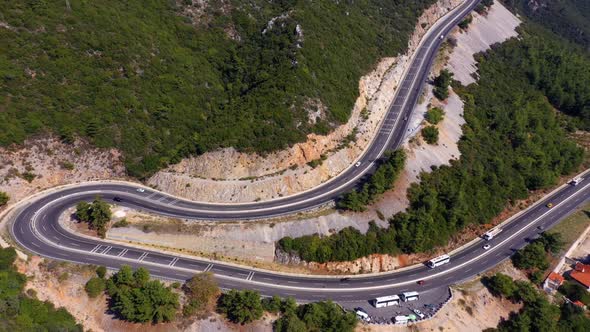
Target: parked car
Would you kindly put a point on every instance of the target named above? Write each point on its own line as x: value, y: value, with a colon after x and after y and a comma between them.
x: 419, y: 313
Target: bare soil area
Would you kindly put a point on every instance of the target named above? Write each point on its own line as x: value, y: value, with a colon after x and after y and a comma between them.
x: 42, y: 163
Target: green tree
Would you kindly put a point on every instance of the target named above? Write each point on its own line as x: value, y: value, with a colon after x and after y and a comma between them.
x: 101, y: 272
x: 441, y: 84
x: 501, y: 284
x: 135, y: 298
x: 4, y: 198
x: 97, y: 214
x: 272, y: 304
x: 530, y: 257
x: 430, y: 134
x: 241, y: 306
x: 95, y: 286
x: 435, y: 115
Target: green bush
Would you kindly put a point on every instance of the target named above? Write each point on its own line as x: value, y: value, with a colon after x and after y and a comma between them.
x: 101, y: 271
x: 95, y: 287
x: 23, y: 312
x: 435, y: 115
x: 136, y: 298
x: 319, y: 316
x: 442, y: 83
x: 4, y: 198
x: 241, y: 306
x: 430, y: 134
x: 97, y: 214
x: 379, y: 182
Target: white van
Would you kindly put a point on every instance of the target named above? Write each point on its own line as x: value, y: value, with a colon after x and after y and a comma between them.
x: 401, y: 319
x: 363, y: 315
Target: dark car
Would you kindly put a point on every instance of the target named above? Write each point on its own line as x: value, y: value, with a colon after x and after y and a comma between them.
x: 344, y: 279
x: 117, y: 199
x: 420, y: 282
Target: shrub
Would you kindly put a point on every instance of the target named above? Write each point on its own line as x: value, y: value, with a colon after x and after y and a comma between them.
x: 4, y: 198
x: 241, y: 306
x: 101, y: 271
x: 441, y: 84
x: 430, y: 134
x: 95, y: 286
x: 435, y: 115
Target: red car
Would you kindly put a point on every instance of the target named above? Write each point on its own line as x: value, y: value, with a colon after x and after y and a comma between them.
x: 420, y: 282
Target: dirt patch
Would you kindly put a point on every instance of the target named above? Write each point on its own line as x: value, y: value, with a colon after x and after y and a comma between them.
x: 41, y: 163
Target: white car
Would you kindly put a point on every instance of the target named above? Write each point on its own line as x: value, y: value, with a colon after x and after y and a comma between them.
x: 140, y: 190
x: 486, y: 246
x: 419, y: 313
x: 357, y: 164
x: 442, y: 36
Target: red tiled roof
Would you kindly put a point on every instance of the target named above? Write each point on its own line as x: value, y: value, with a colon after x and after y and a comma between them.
x: 579, y: 304
x: 582, y: 277
x: 557, y: 278
x: 582, y: 267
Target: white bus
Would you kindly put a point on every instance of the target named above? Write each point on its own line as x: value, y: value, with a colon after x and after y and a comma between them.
x: 386, y: 301
x: 438, y: 261
x: 410, y: 296
x: 490, y: 234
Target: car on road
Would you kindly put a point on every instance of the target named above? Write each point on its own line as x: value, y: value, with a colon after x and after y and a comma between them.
x: 420, y: 282
x: 419, y: 313
x: 576, y: 181
x: 549, y: 205
x: 540, y: 227
x: 357, y: 164
x: 486, y: 246
x: 344, y: 279
x: 442, y: 36
x: 117, y: 199
x: 140, y: 190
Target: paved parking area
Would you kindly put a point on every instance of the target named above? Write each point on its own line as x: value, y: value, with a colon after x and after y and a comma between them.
x: 430, y: 302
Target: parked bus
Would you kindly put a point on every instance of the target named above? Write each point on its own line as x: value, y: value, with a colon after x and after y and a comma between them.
x: 386, y: 301
x: 438, y: 261
x: 410, y: 296
x: 490, y: 234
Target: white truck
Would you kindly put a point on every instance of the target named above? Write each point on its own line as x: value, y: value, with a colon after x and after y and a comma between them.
x: 491, y: 233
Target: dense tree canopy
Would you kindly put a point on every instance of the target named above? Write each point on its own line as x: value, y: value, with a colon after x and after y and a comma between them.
x: 241, y: 306
x: 319, y: 316
x: 442, y: 83
x: 20, y: 312
x: 4, y: 198
x: 379, y: 182
x: 140, y: 76
x: 136, y: 298
x: 513, y: 142
x: 97, y: 214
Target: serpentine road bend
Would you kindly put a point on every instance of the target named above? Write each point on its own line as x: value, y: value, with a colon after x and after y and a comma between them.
x: 35, y: 226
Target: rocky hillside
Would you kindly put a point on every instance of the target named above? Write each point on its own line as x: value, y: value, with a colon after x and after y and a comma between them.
x: 164, y: 79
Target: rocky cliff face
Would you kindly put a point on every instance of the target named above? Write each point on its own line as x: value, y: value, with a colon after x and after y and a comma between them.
x: 230, y: 176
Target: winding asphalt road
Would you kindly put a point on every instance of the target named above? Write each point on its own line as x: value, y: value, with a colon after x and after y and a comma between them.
x: 35, y: 227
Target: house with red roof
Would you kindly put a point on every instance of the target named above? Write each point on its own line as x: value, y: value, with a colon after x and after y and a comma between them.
x: 553, y: 281
x: 581, y: 274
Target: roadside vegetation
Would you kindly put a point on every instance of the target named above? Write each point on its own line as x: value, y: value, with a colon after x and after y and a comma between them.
x: 20, y: 311
x: 569, y: 19
x: 442, y: 83
x: 145, y: 77
x: 534, y: 258
x: 4, y: 198
x: 97, y: 214
x: 434, y: 115
x: 379, y: 182
x: 513, y: 142
x: 430, y: 134
x: 537, y: 313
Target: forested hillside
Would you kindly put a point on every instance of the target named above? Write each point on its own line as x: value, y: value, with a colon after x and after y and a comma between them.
x: 163, y: 79
x: 514, y: 141
x: 569, y: 19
